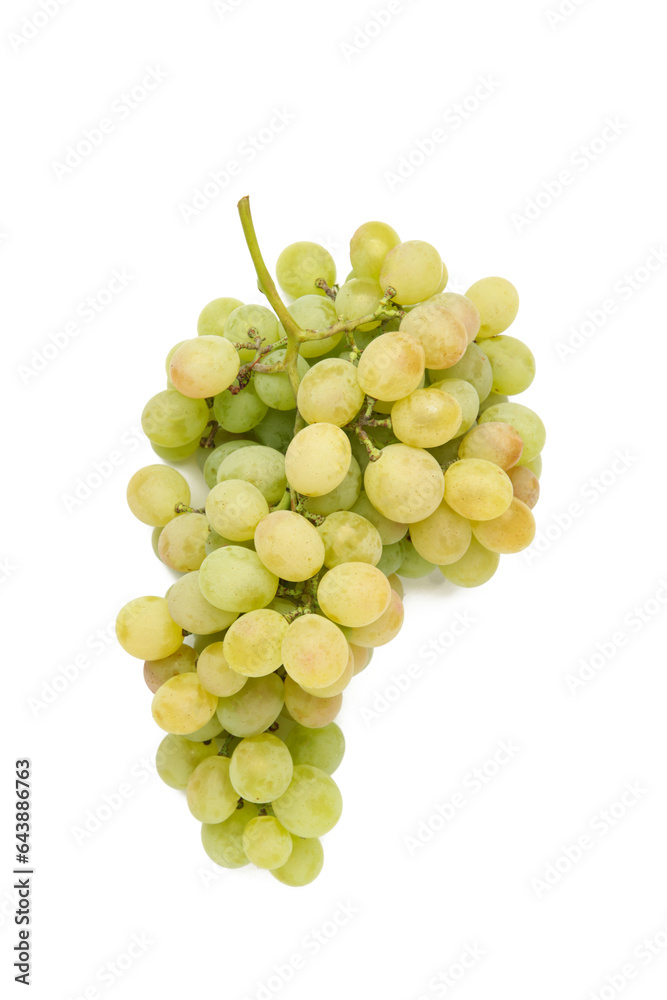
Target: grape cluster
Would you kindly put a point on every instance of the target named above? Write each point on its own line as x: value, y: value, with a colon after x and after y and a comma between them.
x: 359, y: 435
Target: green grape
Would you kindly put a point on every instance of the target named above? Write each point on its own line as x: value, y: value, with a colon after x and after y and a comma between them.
x: 200, y: 642
x: 353, y: 594
x: 317, y: 459
x: 235, y: 579
x: 476, y: 567
x: 438, y: 330
x: 276, y: 429
x: 208, y: 732
x: 223, y: 842
x: 358, y: 450
x: 390, y: 531
x: 152, y: 493
x: 177, y: 454
x: 447, y: 453
x: 192, y: 611
x: 387, y: 626
x: 413, y: 269
x: 330, y: 692
x: 289, y: 546
x: 330, y: 393
x: 182, y: 544
x: 261, y: 466
x: 323, y: 748
x: 474, y: 367
x: 525, y: 484
x: 177, y: 757
x: 301, y: 264
x: 368, y: 248
x: 405, y: 484
x: 215, y: 673
x: 182, y: 705
x: 315, y: 312
x: 214, y: 315
x: 342, y: 497
x: 493, y: 441
x: 234, y: 508
x: 426, y: 418
x: 512, y: 532
x: 512, y: 362
x: 493, y: 399
x: 274, y: 388
x: 349, y: 537
x: 170, y: 419
x: 304, y: 863
x: 391, y: 558
x: 359, y: 297
x: 254, y: 708
x: 498, y: 303
x: 414, y: 566
x: 309, y: 709
x: 392, y: 366
x: 266, y: 843
x: 219, y: 454
x: 215, y: 541
x: 397, y: 585
x: 155, y: 540
x: 252, y: 646
x: 241, y: 412
x: 312, y: 805
x: 534, y: 464
x: 442, y: 538
x: 261, y: 768
x: 525, y: 422
x: 464, y: 309
x: 211, y: 796
x: 467, y: 398
x: 362, y: 657
x: 156, y: 672
x: 477, y: 489
x: 243, y: 320
x: 171, y: 354
x: 315, y: 651
x: 145, y: 629
x: 203, y: 367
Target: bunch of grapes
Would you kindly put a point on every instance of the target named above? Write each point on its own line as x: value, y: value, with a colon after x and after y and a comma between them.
x: 361, y: 434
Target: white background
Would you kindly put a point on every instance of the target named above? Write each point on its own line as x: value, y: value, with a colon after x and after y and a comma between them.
x: 65, y: 572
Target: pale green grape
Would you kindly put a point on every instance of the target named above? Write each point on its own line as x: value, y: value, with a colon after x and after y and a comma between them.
x: 215, y: 673
x: 534, y: 464
x: 315, y: 651
x: 289, y: 546
x: 447, y: 453
x: 254, y: 708
x: 312, y: 805
x: 261, y: 768
x: 444, y: 279
x: 145, y: 629
x: 493, y: 399
x: 426, y: 418
x: 200, y: 642
x: 315, y: 312
x: 390, y: 531
x: 156, y: 672
x: 362, y: 657
x: 170, y: 419
x: 525, y: 422
x: 368, y: 248
x: 391, y: 558
x: 342, y: 497
x: 310, y: 709
x: 276, y: 429
x: 386, y: 627
x: 493, y: 441
x: 177, y: 757
x: 181, y: 705
x: 414, y: 269
x: 192, y: 611
x: 443, y: 537
x: 215, y: 541
x: 391, y: 366
x: 349, y: 537
x: 323, y: 748
x: 171, y: 354
x: 274, y: 388
x: 177, y: 454
x: 241, y: 412
x: 330, y: 393
x: 317, y: 459
x: 332, y: 690
x: 234, y: 508
x: 304, y: 863
x: 203, y: 367
x: 512, y: 362
x: 474, y: 367
x: 498, y: 303
x: 235, y: 579
x: 252, y: 646
x: 261, y: 466
x: 477, y: 489
x: 155, y: 540
x: 476, y: 567
x: 182, y: 542
x: 414, y: 565
x: 208, y: 732
x: 353, y: 594
x: 397, y: 586
x: 467, y: 398
x: 246, y: 318
x: 267, y: 843
x: 464, y: 309
x: 513, y: 531
x: 359, y: 297
x: 219, y: 454
x: 210, y: 794
x: 405, y: 484
x: 223, y: 842
x: 438, y: 330
x: 525, y: 484
x: 213, y: 317
x: 301, y: 264
x: 153, y: 491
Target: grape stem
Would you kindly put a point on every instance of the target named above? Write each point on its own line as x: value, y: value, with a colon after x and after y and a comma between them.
x: 366, y: 419
x: 331, y: 292
x: 208, y: 441
x: 182, y: 508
